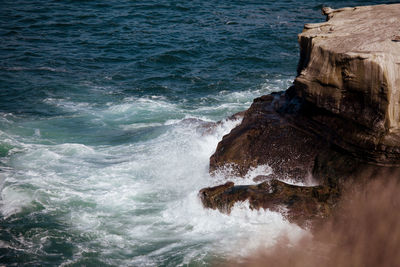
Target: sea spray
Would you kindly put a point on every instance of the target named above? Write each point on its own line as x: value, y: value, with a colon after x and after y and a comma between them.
x: 137, y: 199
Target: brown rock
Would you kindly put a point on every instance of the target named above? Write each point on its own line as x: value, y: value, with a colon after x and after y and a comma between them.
x: 347, y: 94
x: 340, y: 122
x: 210, y: 127
x: 342, y: 171
x: 298, y: 204
x: 266, y: 136
x: 350, y: 69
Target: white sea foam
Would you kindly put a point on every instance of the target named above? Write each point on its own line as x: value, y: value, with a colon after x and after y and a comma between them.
x: 140, y: 125
x: 139, y: 199
x: 13, y: 200
x: 68, y: 105
x: 239, y: 233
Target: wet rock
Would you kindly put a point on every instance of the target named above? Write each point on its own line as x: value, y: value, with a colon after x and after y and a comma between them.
x: 261, y: 178
x: 267, y: 136
x: 343, y: 171
x: 207, y: 127
x: 298, y: 204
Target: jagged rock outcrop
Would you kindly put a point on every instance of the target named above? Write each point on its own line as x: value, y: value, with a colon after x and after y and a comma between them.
x: 267, y: 136
x: 339, y: 121
x: 299, y: 204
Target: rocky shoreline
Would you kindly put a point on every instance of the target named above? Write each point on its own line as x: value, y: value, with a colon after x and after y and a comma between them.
x: 339, y: 122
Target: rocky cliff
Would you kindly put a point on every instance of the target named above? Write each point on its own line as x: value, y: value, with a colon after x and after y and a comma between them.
x: 350, y: 68
x: 339, y: 123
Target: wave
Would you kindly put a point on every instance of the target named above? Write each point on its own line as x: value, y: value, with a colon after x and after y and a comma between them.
x: 127, y: 196
x: 138, y: 194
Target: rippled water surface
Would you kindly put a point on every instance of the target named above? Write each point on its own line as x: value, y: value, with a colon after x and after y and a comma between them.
x: 105, y: 114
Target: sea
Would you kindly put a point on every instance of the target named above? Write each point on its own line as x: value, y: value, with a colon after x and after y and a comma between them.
x: 108, y: 114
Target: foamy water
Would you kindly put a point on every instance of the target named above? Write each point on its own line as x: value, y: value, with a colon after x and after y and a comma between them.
x: 134, y: 202
x: 107, y: 116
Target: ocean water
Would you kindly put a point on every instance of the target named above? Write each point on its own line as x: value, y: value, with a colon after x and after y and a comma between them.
x: 106, y: 126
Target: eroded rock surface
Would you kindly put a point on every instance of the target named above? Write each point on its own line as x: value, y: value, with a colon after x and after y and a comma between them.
x: 339, y: 123
x: 266, y: 136
x: 350, y: 68
x: 299, y: 204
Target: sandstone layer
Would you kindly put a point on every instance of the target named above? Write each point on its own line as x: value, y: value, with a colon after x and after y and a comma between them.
x: 350, y: 68
x: 338, y: 123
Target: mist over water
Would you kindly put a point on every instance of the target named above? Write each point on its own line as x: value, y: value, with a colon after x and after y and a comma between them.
x: 106, y: 126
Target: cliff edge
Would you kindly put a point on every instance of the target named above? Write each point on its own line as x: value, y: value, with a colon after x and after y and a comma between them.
x: 350, y: 68
x: 339, y: 123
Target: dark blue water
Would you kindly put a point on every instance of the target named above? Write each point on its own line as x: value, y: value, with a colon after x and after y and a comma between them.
x: 101, y: 158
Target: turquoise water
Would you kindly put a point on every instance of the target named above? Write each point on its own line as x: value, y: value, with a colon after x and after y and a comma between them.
x: 104, y: 134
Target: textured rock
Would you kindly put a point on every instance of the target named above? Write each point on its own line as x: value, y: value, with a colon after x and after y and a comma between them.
x: 346, y: 94
x: 340, y: 122
x: 266, y: 136
x: 350, y: 68
x: 298, y: 204
x: 342, y: 171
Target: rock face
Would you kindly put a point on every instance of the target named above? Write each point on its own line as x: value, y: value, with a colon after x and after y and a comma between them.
x: 266, y: 136
x: 350, y: 68
x: 340, y: 119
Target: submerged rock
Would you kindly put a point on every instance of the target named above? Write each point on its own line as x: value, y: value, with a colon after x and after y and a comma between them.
x: 339, y: 121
